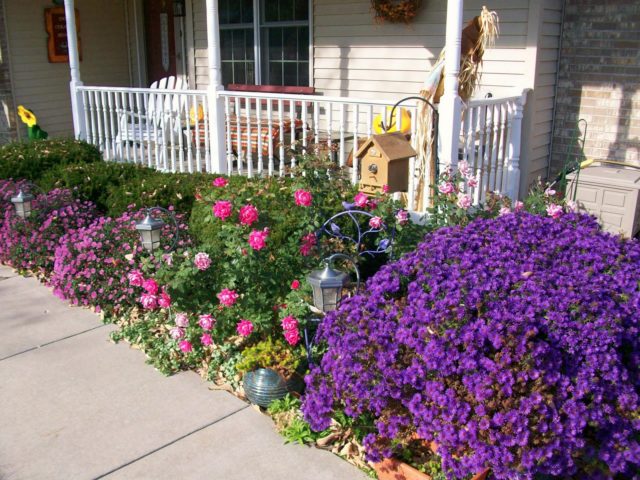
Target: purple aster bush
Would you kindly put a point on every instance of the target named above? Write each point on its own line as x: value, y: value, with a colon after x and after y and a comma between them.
x: 513, y: 343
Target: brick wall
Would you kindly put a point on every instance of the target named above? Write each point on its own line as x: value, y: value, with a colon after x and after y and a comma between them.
x: 8, y: 130
x: 599, y: 81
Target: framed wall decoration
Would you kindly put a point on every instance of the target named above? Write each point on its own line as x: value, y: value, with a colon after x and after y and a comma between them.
x: 56, y: 26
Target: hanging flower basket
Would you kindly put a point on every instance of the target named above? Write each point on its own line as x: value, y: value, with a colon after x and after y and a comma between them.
x: 395, y: 11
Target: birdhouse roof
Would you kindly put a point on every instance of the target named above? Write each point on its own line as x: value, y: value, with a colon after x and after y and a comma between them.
x: 393, y: 146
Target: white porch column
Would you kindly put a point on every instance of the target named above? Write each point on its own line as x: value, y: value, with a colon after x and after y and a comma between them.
x: 216, y: 103
x: 450, y: 106
x: 515, y: 138
x: 74, y: 66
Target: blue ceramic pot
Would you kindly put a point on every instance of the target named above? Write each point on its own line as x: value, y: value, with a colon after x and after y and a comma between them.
x: 263, y: 386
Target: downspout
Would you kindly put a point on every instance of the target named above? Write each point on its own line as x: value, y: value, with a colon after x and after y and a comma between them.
x: 555, y: 90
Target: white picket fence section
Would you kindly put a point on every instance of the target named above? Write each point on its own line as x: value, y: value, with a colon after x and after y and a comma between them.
x: 170, y: 130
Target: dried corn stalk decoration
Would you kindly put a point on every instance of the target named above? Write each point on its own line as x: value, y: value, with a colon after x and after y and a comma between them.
x: 478, y: 35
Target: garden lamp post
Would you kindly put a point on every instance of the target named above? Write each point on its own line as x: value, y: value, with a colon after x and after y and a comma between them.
x: 150, y: 229
x: 328, y: 283
x: 22, y: 203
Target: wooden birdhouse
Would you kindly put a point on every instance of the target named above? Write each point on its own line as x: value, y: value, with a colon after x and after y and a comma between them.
x: 384, y: 160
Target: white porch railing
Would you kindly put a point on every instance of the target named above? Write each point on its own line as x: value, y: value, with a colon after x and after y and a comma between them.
x: 171, y: 131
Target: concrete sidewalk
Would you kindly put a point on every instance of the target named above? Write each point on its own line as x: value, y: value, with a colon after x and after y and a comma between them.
x: 75, y: 406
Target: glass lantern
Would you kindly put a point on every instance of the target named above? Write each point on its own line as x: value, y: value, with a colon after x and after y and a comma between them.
x: 327, y: 285
x: 150, y: 230
x: 22, y: 204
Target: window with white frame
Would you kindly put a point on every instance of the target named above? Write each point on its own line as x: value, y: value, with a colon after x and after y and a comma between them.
x: 275, y: 32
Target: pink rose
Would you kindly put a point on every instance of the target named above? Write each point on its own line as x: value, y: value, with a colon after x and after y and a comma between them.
x: 472, y: 182
x: 150, y: 286
x: 220, y: 182
x: 164, y: 300
x: 289, y: 323
x: 572, y: 206
x: 206, y: 321
x: 554, y: 211
x: 504, y: 211
x: 402, y: 217
x: 464, y: 201
x: 149, y: 301
x: 292, y: 336
x: 202, y: 261
x: 176, y: 333
x: 303, y: 198
x: 227, y: 297
x: 549, y: 192
x: 168, y: 259
x: 258, y: 239
x: 385, y: 188
x: 295, y: 285
x: 376, y: 222
x: 185, y: 346
x: 446, y: 188
x: 206, y: 339
x: 135, y: 278
x: 182, y: 320
x: 222, y: 209
x: 463, y: 168
x: 248, y: 214
x: 518, y: 206
x: 361, y: 200
x: 308, y: 242
x: 244, y: 328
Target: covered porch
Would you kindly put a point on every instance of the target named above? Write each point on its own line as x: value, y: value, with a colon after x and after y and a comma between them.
x: 236, y: 131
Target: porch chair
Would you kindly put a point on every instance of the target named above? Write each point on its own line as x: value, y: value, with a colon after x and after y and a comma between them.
x: 156, y: 124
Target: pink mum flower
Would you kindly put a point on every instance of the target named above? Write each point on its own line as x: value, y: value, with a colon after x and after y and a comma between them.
x: 164, y: 300
x: 206, y: 321
x: 176, y: 333
x: 446, y: 188
x: 292, y: 336
x: 182, y: 320
x: 554, y: 211
x: 289, y: 323
x: 303, y: 198
x: 376, y: 222
x: 202, y: 261
x: 227, y: 297
x: 135, y: 278
x: 150, y: 286
x: 295, y: 285
x: 220, y: 182
x: 185, y: 346
x: 258, y: 239
x: 248, y: 214
x: 206, y: 339
x: 244, y: 328
x: 222, y: 209
x: 361, y: 200
x: 464, y: 201
x: 149, y: 301
x: 402, y: 217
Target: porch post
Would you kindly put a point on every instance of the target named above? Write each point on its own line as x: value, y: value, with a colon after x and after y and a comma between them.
x: 515, y: 137
x: 216, y: 103
x: 74, y: 66
x: 450, y: 107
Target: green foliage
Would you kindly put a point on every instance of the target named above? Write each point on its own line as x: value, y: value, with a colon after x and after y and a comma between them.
x: 274, y: 354
x: 115, y: 186
x: 284, y: 404
x: 299, y: 431
x: 31, y: 160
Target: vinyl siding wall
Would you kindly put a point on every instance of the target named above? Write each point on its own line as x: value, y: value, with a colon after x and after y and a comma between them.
x: 44, y: 86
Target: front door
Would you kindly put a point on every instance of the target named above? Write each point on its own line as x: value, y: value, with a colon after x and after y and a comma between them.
x: 160, y: 39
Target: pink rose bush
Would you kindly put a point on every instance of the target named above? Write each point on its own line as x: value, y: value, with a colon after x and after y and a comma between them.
x: 244, y: 328
x: 202, y: 261
x: 258, y: 238
x: 227, y: 297
x: 220, y: 182
x: 248, y: 215
x: 223, y: 209
x: 303, y: 198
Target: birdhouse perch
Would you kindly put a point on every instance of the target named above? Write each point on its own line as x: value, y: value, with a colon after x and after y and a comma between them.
x: 384, y: 160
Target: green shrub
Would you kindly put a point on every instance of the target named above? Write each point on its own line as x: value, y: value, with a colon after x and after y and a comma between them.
x: 31, y: 160
x: 269, y: 353
x: 115, y: 186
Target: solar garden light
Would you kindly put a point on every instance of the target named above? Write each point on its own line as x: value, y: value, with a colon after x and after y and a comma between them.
x: 150, y: 229
x: 22, y: 203
x: 328, y: 283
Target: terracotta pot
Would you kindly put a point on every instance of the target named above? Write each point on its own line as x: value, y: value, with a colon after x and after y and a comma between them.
x: 392, y: 469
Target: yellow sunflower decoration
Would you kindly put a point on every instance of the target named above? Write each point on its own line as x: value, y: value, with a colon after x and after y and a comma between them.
x: 29, y: 119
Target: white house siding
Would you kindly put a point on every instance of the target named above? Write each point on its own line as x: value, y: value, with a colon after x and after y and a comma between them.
x: 537, y: 134
x: 44, y: 86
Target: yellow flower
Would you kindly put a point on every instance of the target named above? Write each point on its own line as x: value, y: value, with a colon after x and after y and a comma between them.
x: 193, y: 115
x: 27, y: 116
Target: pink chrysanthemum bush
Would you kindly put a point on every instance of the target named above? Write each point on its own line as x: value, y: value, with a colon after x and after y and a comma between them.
x: 29, y: 243
x: 513, y: 343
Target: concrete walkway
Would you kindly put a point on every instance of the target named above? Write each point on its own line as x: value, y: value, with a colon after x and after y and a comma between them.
x: 75, y: 406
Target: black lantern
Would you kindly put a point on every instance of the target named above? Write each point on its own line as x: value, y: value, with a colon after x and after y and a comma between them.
x: 150, y: 229
x: 327, y: 284
x: 22, y: 203
x: 179, y: 8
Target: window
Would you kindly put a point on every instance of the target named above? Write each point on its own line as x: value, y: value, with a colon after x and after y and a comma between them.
x: 275, y: 31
